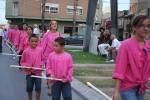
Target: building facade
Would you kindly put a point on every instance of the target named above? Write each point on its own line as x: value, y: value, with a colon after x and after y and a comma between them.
x: 30, y: 11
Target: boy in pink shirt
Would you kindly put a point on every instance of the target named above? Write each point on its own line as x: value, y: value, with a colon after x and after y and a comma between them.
x: 33, y: 57
x: 60, y: 65
x: 132, y: 69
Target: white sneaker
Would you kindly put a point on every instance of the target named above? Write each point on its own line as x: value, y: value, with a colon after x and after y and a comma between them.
x: 14, y: 57
x: 112, y: 61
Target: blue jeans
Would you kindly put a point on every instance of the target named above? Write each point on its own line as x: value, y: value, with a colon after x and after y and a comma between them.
x: 132, y: 94
x: 59, y: 87
x: 30, y: 83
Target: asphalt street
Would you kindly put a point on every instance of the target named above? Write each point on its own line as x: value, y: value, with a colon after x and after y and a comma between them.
x: 13, y: 82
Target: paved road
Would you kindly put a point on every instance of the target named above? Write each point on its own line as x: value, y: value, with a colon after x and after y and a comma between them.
x: 12, y: 82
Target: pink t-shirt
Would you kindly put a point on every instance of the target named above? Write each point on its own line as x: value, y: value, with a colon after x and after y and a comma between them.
x: 25, y: 43
x: 133, y: 68
x: 13, y: 35
x: 61, y: 66
x: 48, y: 43
x: 19, y: 37
x: 32, y: 58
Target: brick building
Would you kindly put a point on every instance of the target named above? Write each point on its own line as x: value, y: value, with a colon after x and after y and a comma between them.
x: 60, y: 10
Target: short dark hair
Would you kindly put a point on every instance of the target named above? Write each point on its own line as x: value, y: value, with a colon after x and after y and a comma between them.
x: 102, y: 28
x: 60, y: 40
x: 25, y: 23
x: 139, y: 19
x: 33, y: 35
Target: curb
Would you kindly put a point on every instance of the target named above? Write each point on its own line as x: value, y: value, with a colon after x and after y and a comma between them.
x: 94, y: 65
x: 85, y: 92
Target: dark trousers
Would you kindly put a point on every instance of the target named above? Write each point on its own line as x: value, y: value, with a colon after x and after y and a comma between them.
x: 59, y: 87
x: 20, y: 57
x: 0, y: 43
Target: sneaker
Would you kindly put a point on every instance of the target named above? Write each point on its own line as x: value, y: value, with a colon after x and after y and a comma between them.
x: 14, y: 57
x: 112, y: 61
x: 49, y: 94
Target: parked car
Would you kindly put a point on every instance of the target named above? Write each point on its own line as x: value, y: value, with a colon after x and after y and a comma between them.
x: 74, y: 39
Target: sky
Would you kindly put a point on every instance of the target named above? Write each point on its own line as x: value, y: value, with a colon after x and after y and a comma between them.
x: 122, y: 5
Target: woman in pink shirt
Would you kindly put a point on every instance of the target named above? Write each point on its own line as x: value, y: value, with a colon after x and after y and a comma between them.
x: 132, y: 69
x: 60, y: 65
x: 33, y: 57
x: 48, y: 43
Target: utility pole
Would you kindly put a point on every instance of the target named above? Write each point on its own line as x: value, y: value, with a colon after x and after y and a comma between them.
x: 43, y: 13
x: 148, y: 8
x: 24, y: 10
x: 114, y: 17
x: 74, y: 16
x: 92, y: 5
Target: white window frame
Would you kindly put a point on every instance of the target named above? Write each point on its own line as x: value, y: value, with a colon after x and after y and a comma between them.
x: 72, y: 8
x: 15, y: 9
x: 51, y: 5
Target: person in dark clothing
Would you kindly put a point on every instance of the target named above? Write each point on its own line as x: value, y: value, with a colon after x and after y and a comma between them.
x: 100, y: 39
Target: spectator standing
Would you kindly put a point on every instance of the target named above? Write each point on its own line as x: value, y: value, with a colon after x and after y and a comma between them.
x: 1, y: 37
x: 36, y: 30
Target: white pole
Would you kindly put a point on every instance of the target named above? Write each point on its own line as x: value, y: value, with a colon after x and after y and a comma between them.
x: 11, y: 48
x: 11, y: 54
x: 26, y: 67
x: 47, y: 78
x: 99, y: 91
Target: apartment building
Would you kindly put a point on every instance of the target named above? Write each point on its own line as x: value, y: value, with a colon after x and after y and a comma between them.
x: 30, y: 11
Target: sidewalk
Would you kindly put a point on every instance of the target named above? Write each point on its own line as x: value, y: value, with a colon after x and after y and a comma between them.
x: 84, y: 91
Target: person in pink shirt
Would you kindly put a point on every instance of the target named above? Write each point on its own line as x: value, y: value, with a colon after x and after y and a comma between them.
x: 9, y: 36
x: 20, y: 36
x: 24, y: 42
x: 9, y: 31
x: 12, y: 37
x: 33, y: 57
x: 18, y: 39
x: 13, y: 34
x: 60, y: 65
x: 132, y: 70
x: 48, y: 43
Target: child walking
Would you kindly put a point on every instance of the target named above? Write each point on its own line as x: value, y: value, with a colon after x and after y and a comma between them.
x: 132, y: 69
x: 25, y: 42
x: 33, y: 57
x: 60, y: 65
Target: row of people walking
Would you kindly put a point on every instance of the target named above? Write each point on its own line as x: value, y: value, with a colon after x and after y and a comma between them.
x: 50, y: 53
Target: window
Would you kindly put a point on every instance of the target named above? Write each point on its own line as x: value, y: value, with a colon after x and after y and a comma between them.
x: 51, y: 8
x: 15, y: 8
x: 70, y: 10
x: 80, y: 36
